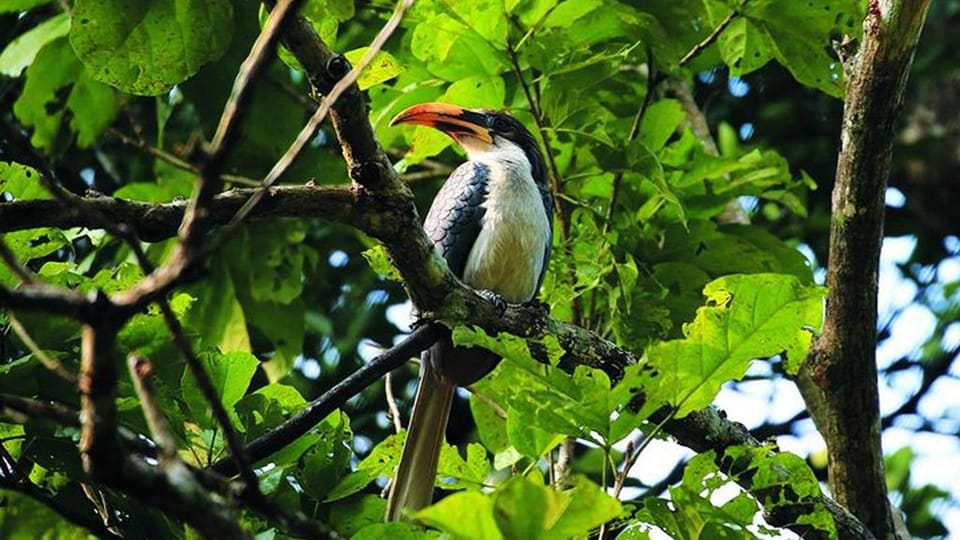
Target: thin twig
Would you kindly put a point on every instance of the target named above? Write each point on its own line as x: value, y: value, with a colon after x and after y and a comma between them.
x: 394, y: 411
x: 33, y: 408
x: 173, y: 160
x: 700, y: 47
x: 52, y: 364
x: 489, y: 401
x: 100, y: 504
x: 140, y: 372
x: 302, y: 422
x: 321, y: 113
x: 200, y: 376
x: 253, y: 65
x: 71, y: 513
x: 632, y: 136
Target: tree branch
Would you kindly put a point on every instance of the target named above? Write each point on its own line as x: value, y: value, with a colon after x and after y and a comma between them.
x: 302, y: 422
x: 154, y: 222
x: 839, y: 380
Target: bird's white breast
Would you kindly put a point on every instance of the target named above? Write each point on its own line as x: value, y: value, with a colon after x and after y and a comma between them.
x: 508, y: 255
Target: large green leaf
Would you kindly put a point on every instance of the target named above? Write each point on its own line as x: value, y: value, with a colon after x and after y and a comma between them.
x: 7, y: 6
x: 147, y: 47
x: 523, y: 507
x: 230, y: 376
x: 44, y: 98
x: 21, y: 51
x: 466, y: 515
x: 57, y: 82
x: 382, y: 68
x: 217, y: 315
x: 797, y: 34
x: 746, y: 317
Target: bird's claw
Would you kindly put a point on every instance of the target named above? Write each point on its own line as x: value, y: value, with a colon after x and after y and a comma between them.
x: 537, y: 305
x: 495, y: 299
x: 416, y: 321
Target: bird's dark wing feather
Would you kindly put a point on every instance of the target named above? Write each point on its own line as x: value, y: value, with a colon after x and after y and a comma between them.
x: 547, y: 198
x: 456, y: 215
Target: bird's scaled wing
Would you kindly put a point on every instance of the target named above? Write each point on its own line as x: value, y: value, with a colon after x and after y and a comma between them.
x: 456, y: 215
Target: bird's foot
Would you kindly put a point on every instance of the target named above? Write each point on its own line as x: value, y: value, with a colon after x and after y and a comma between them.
x: 497, y: 300
x: 416, y: 321
x: 537, y: 305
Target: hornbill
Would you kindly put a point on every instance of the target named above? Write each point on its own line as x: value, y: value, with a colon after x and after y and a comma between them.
x: 492, y: 223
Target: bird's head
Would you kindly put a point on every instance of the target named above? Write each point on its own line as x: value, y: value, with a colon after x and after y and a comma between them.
x: 478, y: 131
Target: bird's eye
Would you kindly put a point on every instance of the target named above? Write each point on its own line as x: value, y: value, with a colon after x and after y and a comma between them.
x: 500, y: 125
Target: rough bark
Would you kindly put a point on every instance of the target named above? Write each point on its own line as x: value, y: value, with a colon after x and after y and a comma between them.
x: 839, y: 381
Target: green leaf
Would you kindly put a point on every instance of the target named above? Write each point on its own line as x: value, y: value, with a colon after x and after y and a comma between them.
x: 467, y: 515
x: 94, y: 105
x: 395, y: 530
x: 380, y: 262
x: 56, y: 81
x: 147, y: 47
x: 530, y: 12
x: 25, y: 518
x: 453, y: 472
x: 269, y: 287
x: 21, y: 182
x: 21, y: 51
x: 351, y: 516
x: 745, y: 46
x: 381, y: 462
x: 523, y: 507
x: 567, y: 13
x: 35, y: 243
x: 230, y: 376
x: 382, y: 68
x: 267, y: 408
x: 544, y: 402
x: 329, y: 459
x: 8, y: 6
x: 491, y: 426
x: 44, y: 98
x: 797, y: 34
x: 278, y: 266
x: 450, y: 49
x: 782, y: 479
x: 746, y: 317
x: 588, y: 508
x: 217, y: 314
x: 660, y: 121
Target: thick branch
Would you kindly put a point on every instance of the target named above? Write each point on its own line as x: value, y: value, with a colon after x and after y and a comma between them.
x: 840, y: 378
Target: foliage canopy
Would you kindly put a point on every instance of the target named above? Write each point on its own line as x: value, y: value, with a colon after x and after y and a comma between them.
x: 114, y: 99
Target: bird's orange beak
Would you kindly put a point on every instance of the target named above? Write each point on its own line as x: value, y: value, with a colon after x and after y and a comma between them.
x: 455, y: 121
